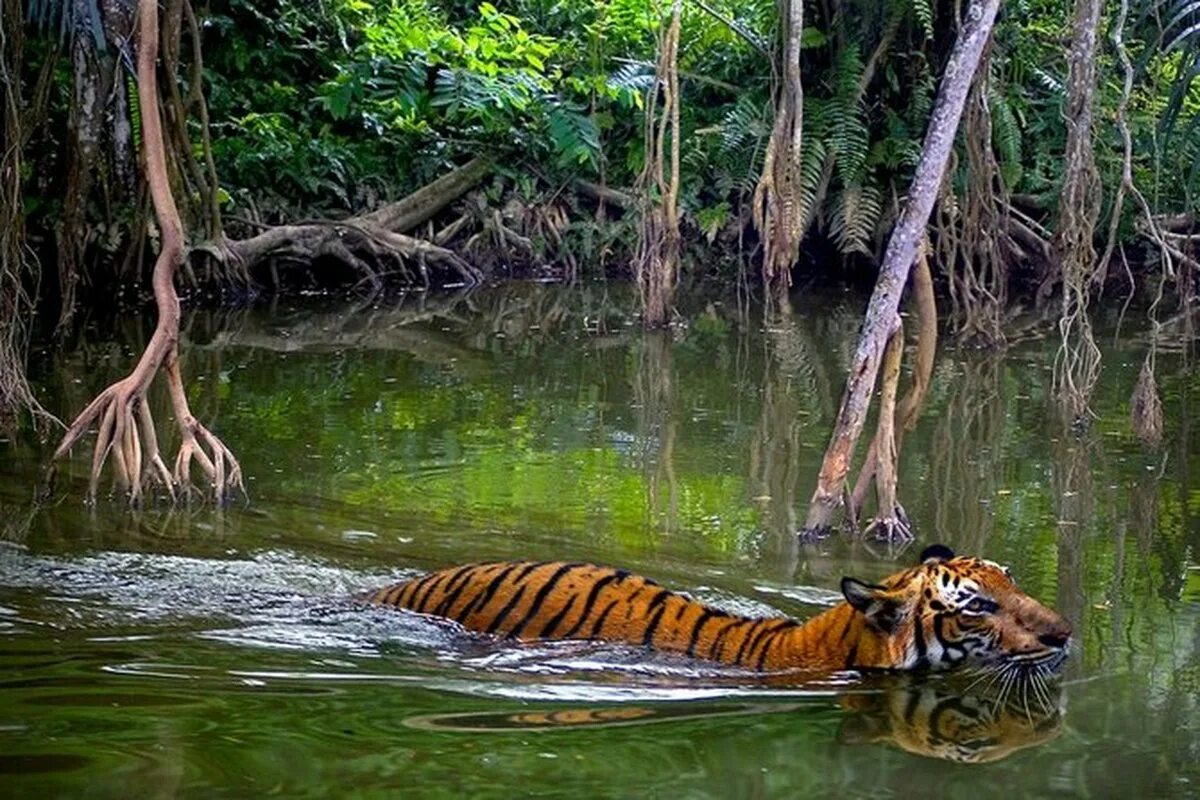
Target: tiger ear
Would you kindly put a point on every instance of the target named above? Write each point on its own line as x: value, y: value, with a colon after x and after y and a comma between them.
x: 881, y: 607
x: 936, y: 554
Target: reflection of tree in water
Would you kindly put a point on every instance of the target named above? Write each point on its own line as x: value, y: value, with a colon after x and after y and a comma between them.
x: 965, y: 449
x: 655, y: 410
x: 795, y: 394
x: 1072, y: 488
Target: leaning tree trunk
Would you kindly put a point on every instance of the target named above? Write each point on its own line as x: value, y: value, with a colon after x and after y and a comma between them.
x: 890, y: 518
x: 127, y: 430
x: 778, y: 206
x: 656, y: 263
x: 1077, y: 365
x: 881, y: 318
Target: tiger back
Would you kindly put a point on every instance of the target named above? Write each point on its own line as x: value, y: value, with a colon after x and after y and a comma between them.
x: 947, y: 611
x: 530, y: 601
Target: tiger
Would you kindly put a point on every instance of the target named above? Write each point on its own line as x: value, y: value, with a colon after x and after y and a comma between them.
x: 947, y: 611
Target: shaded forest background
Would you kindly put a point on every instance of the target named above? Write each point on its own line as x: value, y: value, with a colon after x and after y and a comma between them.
x: 752, y: 145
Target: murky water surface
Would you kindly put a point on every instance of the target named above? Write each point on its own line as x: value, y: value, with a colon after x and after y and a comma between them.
x: 199, y: 653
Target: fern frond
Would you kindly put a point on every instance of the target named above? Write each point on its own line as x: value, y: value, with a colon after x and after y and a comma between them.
x: 858, y: 208
x: 1006, y: 135
x: 811, y: 165
x: 744, y: 122
x: 923, y: 11
x: 848, y: 136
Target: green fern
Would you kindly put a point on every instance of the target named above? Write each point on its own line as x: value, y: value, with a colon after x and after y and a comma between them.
x: 811, y: 165
x: 848, y: 136
x: 923, y: 11
x: 1006, y: 136
x: 575, y: 137
x: 744, y: 122
x: 857, y: 210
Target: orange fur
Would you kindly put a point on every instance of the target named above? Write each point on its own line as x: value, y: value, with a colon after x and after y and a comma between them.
x: 913, y: 619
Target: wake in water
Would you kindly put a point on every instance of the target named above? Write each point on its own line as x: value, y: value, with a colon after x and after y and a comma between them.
x: 281, y: 602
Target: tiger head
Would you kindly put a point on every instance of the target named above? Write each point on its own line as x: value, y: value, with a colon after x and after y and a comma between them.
x: 951, y: 611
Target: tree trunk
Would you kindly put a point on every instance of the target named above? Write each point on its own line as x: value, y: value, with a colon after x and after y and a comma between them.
x: 16, y: 306
x: 420, y: 206
x: 1077, y: 365
x: 897, y: 261
x: 377, y: 234
x: 126, y: 428
x: 656, y: 264
x: 85, y: 123
x: 777, y: 209
x: 922, y: 297
x: 890, y: 523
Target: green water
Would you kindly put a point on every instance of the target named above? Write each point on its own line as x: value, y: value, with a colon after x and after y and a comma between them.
x: 203, y: 653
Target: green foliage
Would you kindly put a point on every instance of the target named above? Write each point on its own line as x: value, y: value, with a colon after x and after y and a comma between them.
x: 335, y: 107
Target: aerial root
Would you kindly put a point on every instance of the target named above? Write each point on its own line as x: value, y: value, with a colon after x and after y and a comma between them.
x: 222, y: 469
x: 126, y: 434
x: 891, y: 528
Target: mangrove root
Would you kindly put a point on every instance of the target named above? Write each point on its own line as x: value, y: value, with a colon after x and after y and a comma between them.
x: 126, y: 426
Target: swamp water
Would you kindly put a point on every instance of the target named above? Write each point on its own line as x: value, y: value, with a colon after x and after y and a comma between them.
x: 202, y: 653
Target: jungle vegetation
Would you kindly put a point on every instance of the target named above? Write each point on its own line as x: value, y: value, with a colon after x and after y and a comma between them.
x: 995, y: 157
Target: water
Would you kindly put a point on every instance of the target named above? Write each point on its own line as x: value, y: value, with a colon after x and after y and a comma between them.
x: 201, y: 653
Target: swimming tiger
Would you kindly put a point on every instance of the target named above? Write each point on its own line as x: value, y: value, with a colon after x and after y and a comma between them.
x: 946, y: 611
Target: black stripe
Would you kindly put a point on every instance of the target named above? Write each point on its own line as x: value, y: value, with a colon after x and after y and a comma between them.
x: 922, y: 648
x: 940, y: 634
x: 599, y: 626
x: 591, y: 601
x: 772, y: 639
x: 652, y: 626
x: 449, y: 578
x: 851, y: 656
x: 846, y: 629
x: 498, y: 620
x: 704, y: 617
x: 659, y: 598
x: 715, y: 651
x: 455, y: 588
x: 750, y: 641
x: 528, y: 569
x: 910, y: 708
x: 543, y: 593
x: 547, y: 631
x: 417, y: 587
x: 391, y: 595
x: 419, y: 605
x: 485, y: 597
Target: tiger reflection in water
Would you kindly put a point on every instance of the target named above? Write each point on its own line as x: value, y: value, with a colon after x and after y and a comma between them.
x: 937, y: 722
x: 924, y: 718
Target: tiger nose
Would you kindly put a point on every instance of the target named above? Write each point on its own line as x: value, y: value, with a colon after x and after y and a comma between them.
x: 1058, y: 637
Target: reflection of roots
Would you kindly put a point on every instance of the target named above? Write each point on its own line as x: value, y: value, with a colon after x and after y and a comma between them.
x: 892, y: 528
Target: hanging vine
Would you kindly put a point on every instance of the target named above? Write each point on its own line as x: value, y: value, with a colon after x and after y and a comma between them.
x: 1077, y: 363
x: 656, y: 264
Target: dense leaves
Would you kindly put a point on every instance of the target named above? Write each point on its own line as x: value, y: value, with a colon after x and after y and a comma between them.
x: 333, y: 108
